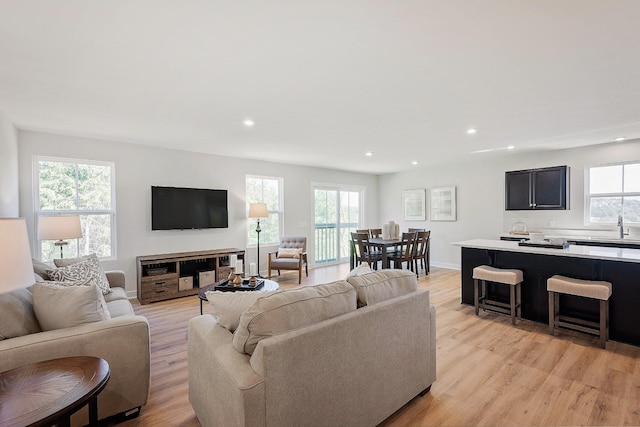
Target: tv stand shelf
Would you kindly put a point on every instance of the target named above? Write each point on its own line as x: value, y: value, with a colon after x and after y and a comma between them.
x: 167, y: 276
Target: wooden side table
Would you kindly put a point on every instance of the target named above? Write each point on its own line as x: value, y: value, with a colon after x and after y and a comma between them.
x: 49, y: 392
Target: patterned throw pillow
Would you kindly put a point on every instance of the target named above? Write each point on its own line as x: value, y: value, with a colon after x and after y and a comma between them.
x: 84, y: 272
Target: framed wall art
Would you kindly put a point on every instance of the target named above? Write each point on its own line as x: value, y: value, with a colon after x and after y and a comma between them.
x: 414, y: 204
x: 443, y: 203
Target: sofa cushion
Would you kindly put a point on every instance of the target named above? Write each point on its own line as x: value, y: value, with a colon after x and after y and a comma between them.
x: 292, y: 309
x: 120, y: 307
x: 58, y: 306
x: 383, y: 285
x: 40, y: 268
x: 229, y: 306
x: 116, y: 294
x: 87, y: 270
x: 17, y: 317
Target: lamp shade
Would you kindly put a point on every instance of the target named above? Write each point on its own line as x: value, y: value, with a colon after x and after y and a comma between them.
x: 258, y: 210
x: 59, y: 227
x: 16, y: 267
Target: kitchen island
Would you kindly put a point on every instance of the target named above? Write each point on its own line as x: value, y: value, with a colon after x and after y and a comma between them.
x: 620, y: 266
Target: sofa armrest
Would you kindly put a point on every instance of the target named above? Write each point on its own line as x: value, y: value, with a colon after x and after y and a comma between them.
x: 223, y: 388
x: 123, y: 342
x: 116, y: 278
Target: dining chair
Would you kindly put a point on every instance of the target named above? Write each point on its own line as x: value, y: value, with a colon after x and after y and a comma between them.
x: 363, y: 250
x: 421, y: 251
x: 406, y: 249
x: 415, y: 230
x: 375, y: 232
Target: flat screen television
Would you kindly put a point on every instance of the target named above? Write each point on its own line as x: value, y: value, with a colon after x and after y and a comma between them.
x: 176, y: 208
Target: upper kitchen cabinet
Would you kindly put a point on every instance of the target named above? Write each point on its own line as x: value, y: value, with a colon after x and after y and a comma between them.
x: 537, y: 189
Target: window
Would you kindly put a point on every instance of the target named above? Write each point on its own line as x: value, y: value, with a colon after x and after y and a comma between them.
x: 81, y: 187
x: 613, y: 190
x: 264, y: 189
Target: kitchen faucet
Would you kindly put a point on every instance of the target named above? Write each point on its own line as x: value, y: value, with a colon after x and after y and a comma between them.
x: 621, y: 225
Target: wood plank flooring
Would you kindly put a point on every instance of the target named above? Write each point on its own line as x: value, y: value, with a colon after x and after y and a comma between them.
x: 488, y: 371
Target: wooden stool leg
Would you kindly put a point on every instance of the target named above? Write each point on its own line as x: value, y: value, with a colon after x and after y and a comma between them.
x: 483, y: 297
x: 552, y: 310
x: 519, y: 300
x: 603, y: 324
x: 512, y: 297
x: 607, y: 307
x: 476, y: 295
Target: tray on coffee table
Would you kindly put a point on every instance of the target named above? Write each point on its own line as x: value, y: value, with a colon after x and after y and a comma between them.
x: 225, y: 286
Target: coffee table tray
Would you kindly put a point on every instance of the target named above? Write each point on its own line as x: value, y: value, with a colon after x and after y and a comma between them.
x: 225, y: 286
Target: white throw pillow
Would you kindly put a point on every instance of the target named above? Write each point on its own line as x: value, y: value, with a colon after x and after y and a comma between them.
x: 86, y: 271
x: 360, y: 270
x: 59, y: 306
x: 229, y: 306
x: 289, y: 252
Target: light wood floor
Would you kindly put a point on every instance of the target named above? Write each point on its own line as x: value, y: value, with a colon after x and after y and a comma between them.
x: 488, y: 371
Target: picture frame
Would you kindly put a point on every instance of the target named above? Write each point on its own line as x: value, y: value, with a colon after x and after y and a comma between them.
x: 414, y: 204
x: 443, y: 203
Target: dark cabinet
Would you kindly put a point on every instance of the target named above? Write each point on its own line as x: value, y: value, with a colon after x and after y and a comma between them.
x: 545, y: 188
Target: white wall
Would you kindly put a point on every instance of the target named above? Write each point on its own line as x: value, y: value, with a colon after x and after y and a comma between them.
x: 9, y: 184
x: 480, y: 196
x: 139, y: 167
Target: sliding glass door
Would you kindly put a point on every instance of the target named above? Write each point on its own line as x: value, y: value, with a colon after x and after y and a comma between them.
x: 337, y: 213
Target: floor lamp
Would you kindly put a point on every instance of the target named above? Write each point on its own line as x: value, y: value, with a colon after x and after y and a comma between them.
x: 60, y: 228
x: 258, y: 210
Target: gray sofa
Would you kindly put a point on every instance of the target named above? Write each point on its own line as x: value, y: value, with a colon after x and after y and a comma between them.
x: 123, y: 341
x: 347, y: 353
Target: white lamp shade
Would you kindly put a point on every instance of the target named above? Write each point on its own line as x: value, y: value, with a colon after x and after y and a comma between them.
x: 16, y: 267
x: 258, y: 210
x: 59, y: 227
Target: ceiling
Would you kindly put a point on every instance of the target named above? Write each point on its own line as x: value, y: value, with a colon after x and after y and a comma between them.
x: 326, y: 81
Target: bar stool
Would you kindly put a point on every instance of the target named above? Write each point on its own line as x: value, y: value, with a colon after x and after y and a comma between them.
x: 600, y: 290
x: 513, y: 278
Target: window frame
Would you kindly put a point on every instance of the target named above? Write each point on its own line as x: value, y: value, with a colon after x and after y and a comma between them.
x: 279, y: 211
x: 588, y: 195
x: 46, y: 212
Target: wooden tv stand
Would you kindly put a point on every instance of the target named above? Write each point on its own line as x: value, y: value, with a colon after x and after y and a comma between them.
x: 168, y: 276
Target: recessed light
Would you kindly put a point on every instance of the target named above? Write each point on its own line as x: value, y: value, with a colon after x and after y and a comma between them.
x: 415, y: 162
x: 471, y: 131
x: 248, y: 123
x: 368, y: 154
x: 620, y: 138
x: 510, y: 147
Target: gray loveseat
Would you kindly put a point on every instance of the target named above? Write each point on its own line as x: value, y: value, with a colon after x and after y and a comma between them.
x: 123, y: 341
x: 340, y: 354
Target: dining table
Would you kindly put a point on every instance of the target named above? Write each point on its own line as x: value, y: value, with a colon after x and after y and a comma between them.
x: 378, y: 243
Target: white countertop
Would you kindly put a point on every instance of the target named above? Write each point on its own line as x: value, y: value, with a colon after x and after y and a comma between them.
x: 593, y: 252
x: 598, y: 239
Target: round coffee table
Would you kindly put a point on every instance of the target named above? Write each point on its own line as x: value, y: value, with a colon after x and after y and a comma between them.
x: 269, y: 285
x: 48, y: 392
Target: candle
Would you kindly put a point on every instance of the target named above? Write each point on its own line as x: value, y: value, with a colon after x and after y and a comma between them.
x: 253, y: 271
x: 232, y: 260
x: 238, y: 267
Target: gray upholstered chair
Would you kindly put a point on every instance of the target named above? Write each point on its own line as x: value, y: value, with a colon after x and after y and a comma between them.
x: 287, y: 258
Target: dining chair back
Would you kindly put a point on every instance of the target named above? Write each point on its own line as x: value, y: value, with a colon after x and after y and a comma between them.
x: 363, y: 250
x: 405, y: 252
x: 421, y: 251
x: 375, y: 232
